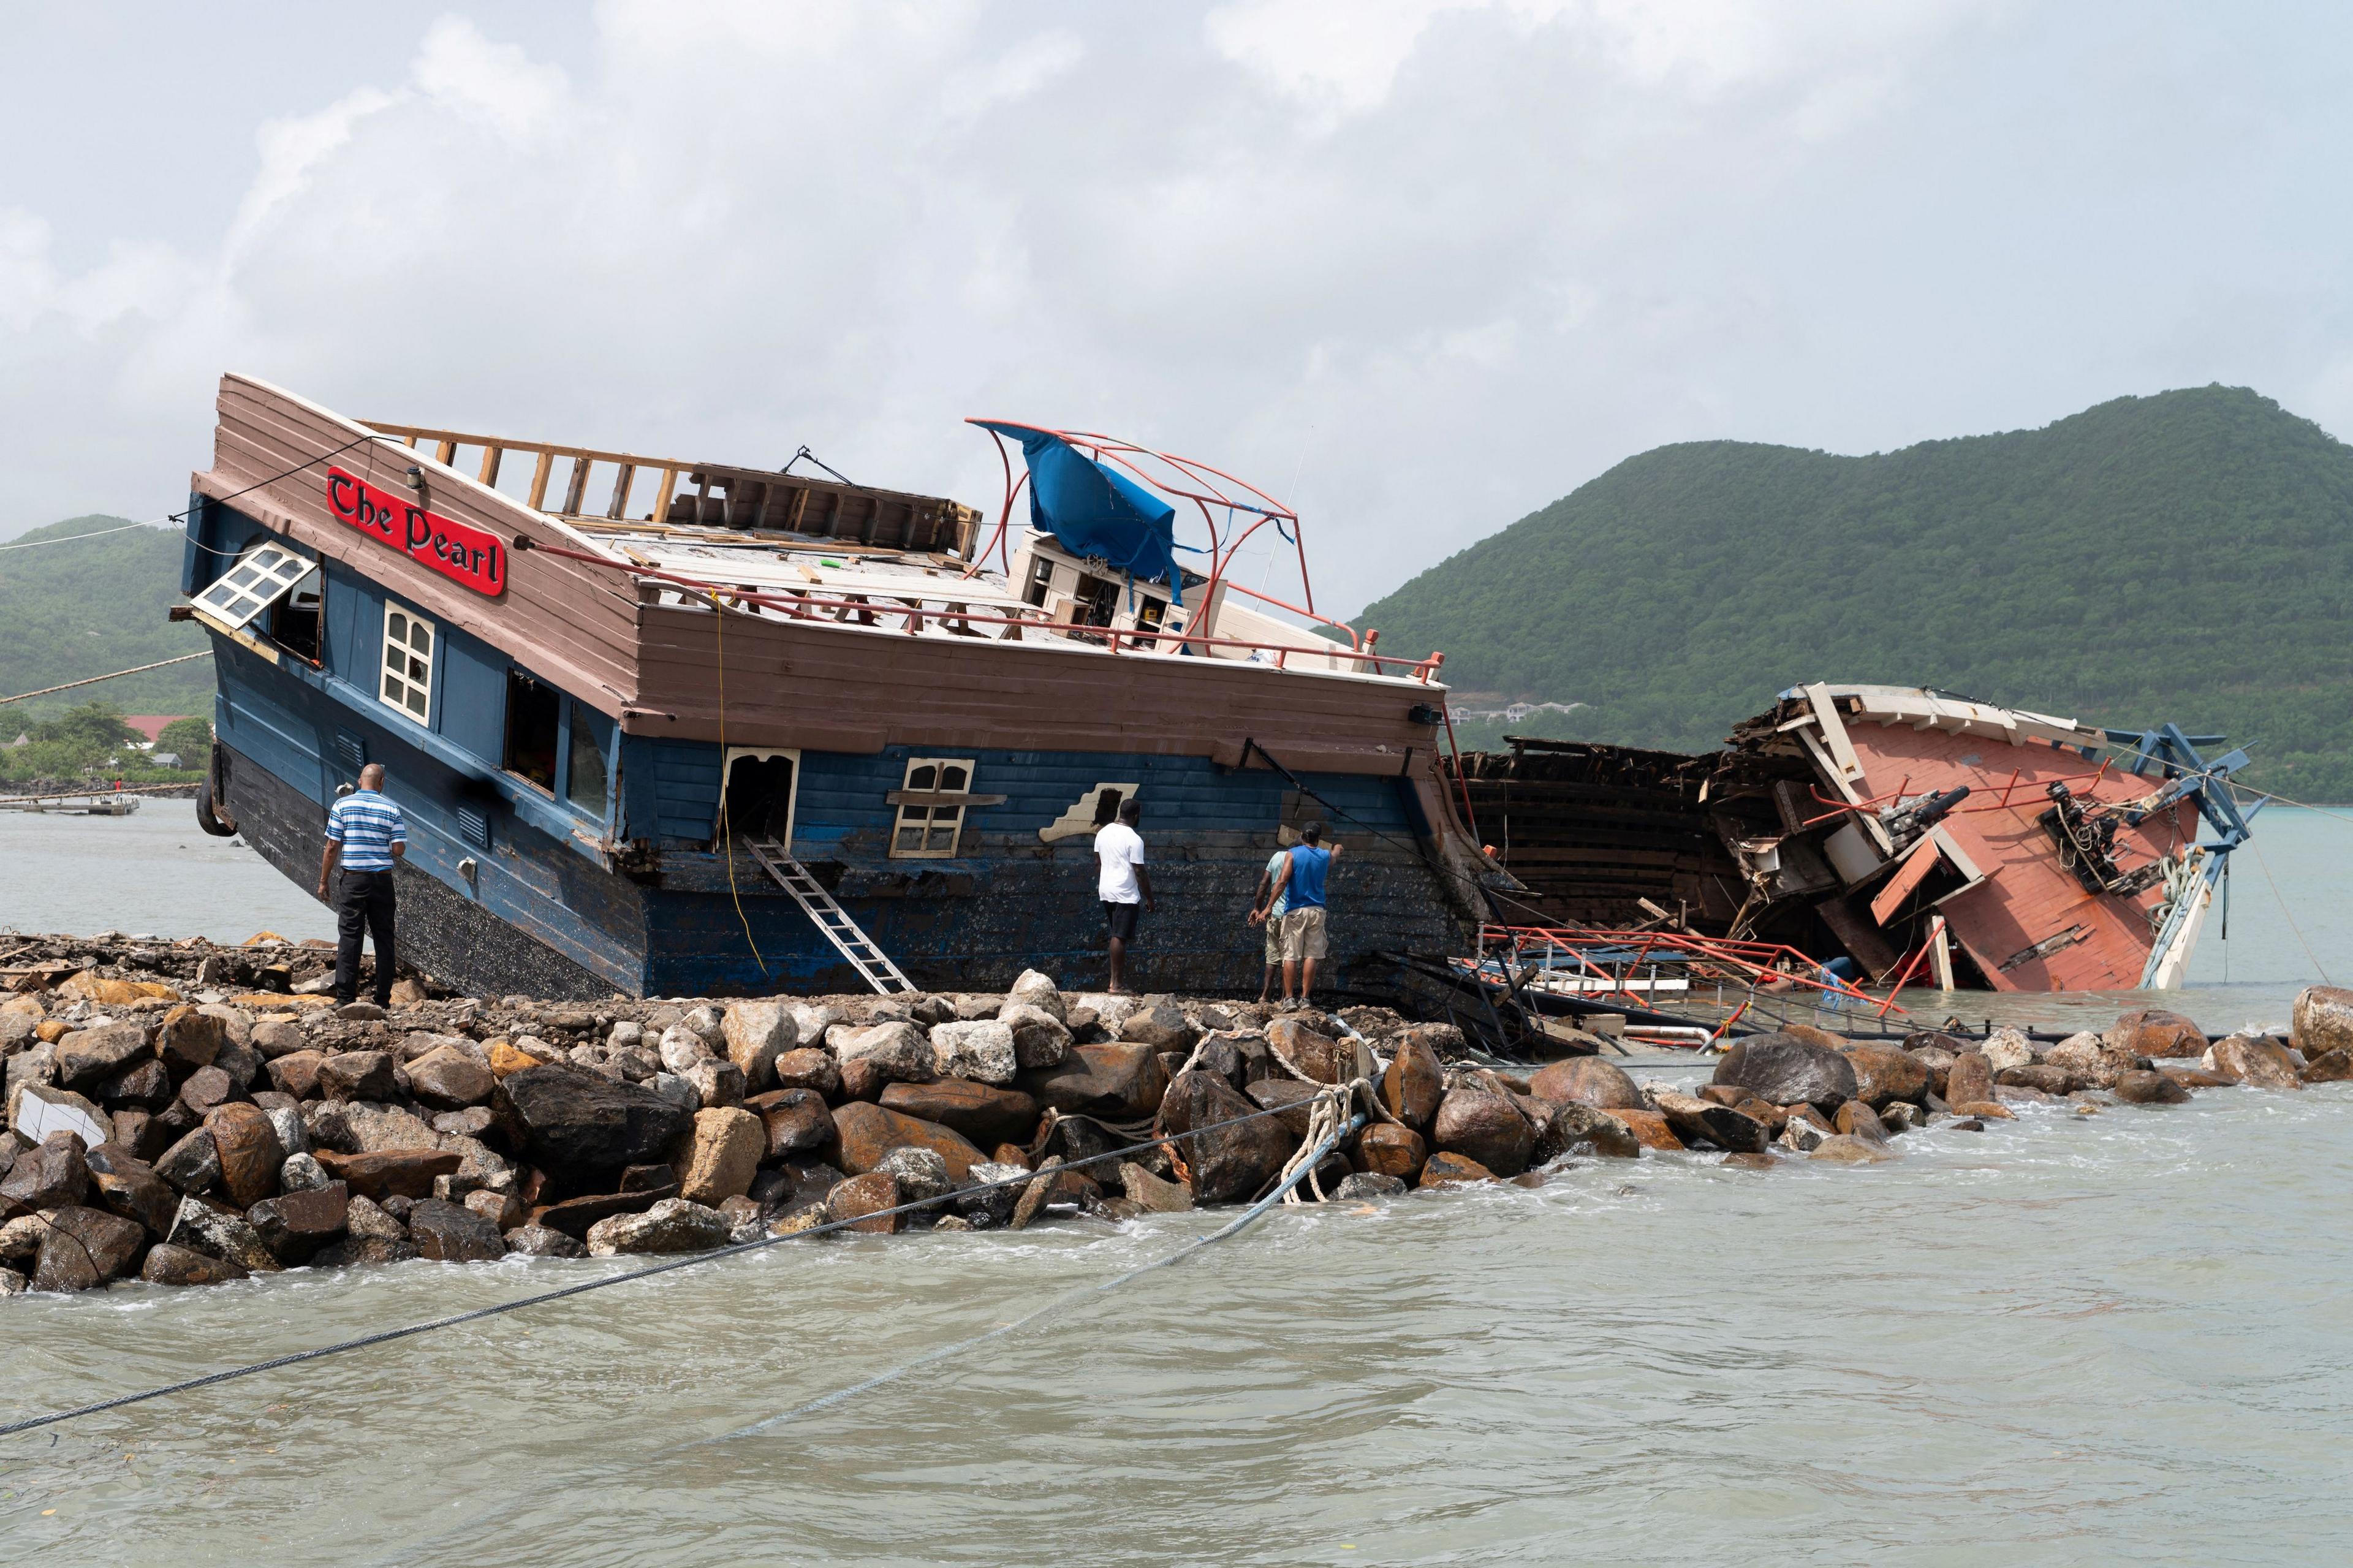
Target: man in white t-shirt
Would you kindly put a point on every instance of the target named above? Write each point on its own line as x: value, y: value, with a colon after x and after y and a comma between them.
x: 1123, y: 884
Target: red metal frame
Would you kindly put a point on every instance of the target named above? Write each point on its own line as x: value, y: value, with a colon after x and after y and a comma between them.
x: 1754, y: 958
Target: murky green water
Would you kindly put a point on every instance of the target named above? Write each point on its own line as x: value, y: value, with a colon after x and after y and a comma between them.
x: 2114, y: 1339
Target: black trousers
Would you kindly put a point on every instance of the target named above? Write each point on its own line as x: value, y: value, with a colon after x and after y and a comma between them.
x: 364, y: 902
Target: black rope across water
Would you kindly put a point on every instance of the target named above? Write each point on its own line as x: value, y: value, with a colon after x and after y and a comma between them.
x: 411, y: 1331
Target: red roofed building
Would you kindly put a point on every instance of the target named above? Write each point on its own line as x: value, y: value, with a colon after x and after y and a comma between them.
x: 151, y: 724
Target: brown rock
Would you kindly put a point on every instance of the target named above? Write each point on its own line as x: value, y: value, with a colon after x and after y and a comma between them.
x: 169, y: 1265
x: 1772, y: 1116
x: 863, y: 1199
x: 1222, y: 1163
x: 1787, y: 1067
x: 806, y: 1067
x: 296, y: 1227
x: 503, y: 1210
x: 1855, y: 1119
x: 1313, y: 1053
x: 1724, y: 1094
x: 1590, y: 1081
x: 205, y: 1089
x: 1885, y: 1074
x: 793, y: 1118
x: 1847, y: 1149
x: 727, y: 1146
x: 359, y: 1075
x: 1294, y: 1100
x: 1486, y: 1127
x: 2330, y: 1067
x: 189, y: 1040
x: 1575, y: 1127
x: 249, y: 1152
x: 2149, y: 1089
x: 1987, y: 1110
x: 1445, y: 1168
x: 297, y: 1073
x: 1650, y: 1129
x: 52, y: 1174
x: 867, y: 1133
x: 2259, y: 1060
x: 862, y: 1078
x: 1970, y: 1079
x: 82, y: 1248
x: 1122, y: 1082
x: 982, y: 1112
x: 574, y: 1215
x: 128, y: 1186
x: 192, y: 1164
x: 1164, y: 1027
x: 87, y: 1057
x: 392, y: 1172
x: 2197, y: 1078
x: 1811, y: 1035
x: 451, y: 1232
x: 1152, y: 1195
x: 144, y: 1084
x: 2154, y: 1032
x: 2038, y: 1076
x: 449, y: 1079
x: 1390, y: 1150
x: 1415, y: 1082
x: 1698, y: 1121
x: 2320, y: 1022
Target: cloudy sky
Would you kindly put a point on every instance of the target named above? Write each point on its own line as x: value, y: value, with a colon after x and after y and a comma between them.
x: 1420, y: 266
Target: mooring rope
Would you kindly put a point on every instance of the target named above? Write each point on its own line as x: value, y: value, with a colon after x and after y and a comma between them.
x: 543, y: 1298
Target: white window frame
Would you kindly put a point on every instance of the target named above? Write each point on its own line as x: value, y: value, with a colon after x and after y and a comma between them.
x: 255, y: 581
x: 926, y: 821
x: 397, y: 684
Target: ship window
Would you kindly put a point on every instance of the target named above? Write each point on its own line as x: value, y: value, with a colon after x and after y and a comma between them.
x: 1041, y: 582
x: 583, y: 781
x: 928, y: 828
x: 408, y: 682
x: 533, y: 708
x: 758, y: 802
x: 261, y: 577
x: 294, y: 622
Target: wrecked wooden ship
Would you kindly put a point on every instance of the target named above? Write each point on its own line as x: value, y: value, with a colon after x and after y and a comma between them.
x: 670, y: 727
x: 1931, y: 839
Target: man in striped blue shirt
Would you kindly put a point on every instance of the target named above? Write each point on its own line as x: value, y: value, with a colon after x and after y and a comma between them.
x: 367, y: 834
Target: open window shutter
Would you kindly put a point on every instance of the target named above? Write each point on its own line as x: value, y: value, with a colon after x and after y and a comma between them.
x: 262, y: 576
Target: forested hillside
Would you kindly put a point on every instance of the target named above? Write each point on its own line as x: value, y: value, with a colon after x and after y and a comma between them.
x: 2184, y: 557
x: 72, y: 610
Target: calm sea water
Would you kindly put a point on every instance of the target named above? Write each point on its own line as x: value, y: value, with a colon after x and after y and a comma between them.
x: 2064, y: 1339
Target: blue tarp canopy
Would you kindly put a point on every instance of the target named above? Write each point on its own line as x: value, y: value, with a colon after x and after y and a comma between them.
x: 1096, y: 512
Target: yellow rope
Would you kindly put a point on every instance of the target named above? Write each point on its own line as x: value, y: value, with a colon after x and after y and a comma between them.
x: 726, y: 835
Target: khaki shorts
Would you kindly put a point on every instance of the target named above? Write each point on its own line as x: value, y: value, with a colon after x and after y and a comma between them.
x: 1302, y: 933
x: 1274, y: 941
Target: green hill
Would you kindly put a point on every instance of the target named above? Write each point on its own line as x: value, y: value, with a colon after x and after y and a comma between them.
x: 68, y: 611
x: 2185, y: 556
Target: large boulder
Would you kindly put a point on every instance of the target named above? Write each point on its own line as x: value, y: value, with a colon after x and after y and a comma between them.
x: 1223, y: 1162
x: 246, y: 1142
x: 1414, y: 1081
x: 1697, y: 1121
x: 2259, y: 1060
x: 1485, y: 1126
x: 1163, y: 1027
x: 2320, y: 1022
x: 2330, y: 1067
x: 1041, y: 1039
x: 1784, y: 1070
x: 670, y: 1226
x: 295, y: 1225
x: 756, y: 1034
x: 1885, y: 1074
x: 1034, y: 990
x: 190, y: 1165
x: 2140, y: 1087
x: 1122, y: 1082
x: 1316, y: 1054
x: 2008, y: 1048
x: 82, y: 1248
x: 795, y: 1120
x: 1577, y: 1128
x: 359, y: 1075
x: 722, y: 1155
x: 980, y: 1051
x: 390, y: 1172
x: 203, y: 1228
x: 452, y: 1233
x: 866, y: 1133
x: 1587, y: 1080
x: 982, y: 1112
x: 864, y: 1201
x: 2090, y: 1063
x: 810, y: 1068
x: 1970, y: 1079
x: 2154, y: 1032
x: 900, y: 1052
x: 54, y: 1172
x: 449, y: 1078
x: 296, y: 1073
x: 128, y: 1186
x: 87, y: 1057
x: 578, y: 1126
x: 1391, y: 1150
x: 169, y: 1265
x: 190, y: 1037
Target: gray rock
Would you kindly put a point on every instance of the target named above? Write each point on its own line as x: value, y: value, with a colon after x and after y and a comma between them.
x: 88, y: 1056
x: 921, y: 1172
x: 193, y: 1165
x: 709, y: 1022
x: 899, y: 1050
x: 451, y: 1232
x: 717, y: 1084
x: 682, y: 1050
x: 200, y: 1227
x: 275, y: 1038
x: 1369, y: 1184
x: 302, y: 1173
x: 1034, y: 990
x: 678, y: 1091
x: 1041, y: 1039
x: 538, y: 1241
x: 981, y: 1051
x: 672, y: 1224
x: 366, y: 1219
x: 12, y: 1283
x: 293, y: 1132
x: 1781, y: 1069
x: 755, y: 1033
x: 2005, y: 1048
x: 986, y: 1206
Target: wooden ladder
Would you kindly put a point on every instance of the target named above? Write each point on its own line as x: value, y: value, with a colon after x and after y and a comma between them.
x: 831, y: 918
